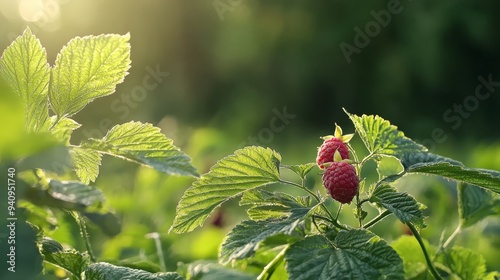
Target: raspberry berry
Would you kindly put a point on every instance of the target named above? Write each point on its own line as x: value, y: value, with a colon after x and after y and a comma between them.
x: 331, y: 144
x: 341, y: 181
x: 327, y: 150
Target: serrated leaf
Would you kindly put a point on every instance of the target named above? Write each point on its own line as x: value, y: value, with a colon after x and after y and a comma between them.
x: 244, y: 239
x: 354, y: 254
x: 70, y: 260
x: 143, y: 144
x: 464, y: 263
x: 382, y: 138
x: 246, y: 169
x: 488, y: 179
x: 63, y: 129
x: 70, y: 195
x: 106, y: 271
x: 403, y: 205
x: 265, y: 205
x: 87, y: 68
x: 475, y: 204
x: 207, y: 270
x: 301, y: 169
x: 24, y: 66
x: 86, y: 162
x: 414, y: 261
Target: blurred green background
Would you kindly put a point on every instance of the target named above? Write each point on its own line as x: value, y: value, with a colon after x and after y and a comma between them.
x: 217, y: 75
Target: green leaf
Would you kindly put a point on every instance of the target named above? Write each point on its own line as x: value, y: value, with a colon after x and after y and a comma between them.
x: 382, y: 138
x: 106, y: 271
x: 475, y: 204
x: 18, y: 143
x: 488, y: 179
x: 388, y: 166
x: 354, y: 254
x: 24, y: 66
x: 208, y: 270
x: 244, y: 239
x: 70, y: 260
x: 246, y: 169
x: 301, y: 169
x: 86, y: 162
x: 143, y: 144
x: 464, y: 263
x: 264, y: 204
x: 63, y: 129
x: 403, y: 205
x: 414, y: 261
x: 88, y: 68
x: 70, y: 195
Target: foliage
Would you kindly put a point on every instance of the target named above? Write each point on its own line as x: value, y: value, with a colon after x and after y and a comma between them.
x: 86, y: 68
x: 286, y: 235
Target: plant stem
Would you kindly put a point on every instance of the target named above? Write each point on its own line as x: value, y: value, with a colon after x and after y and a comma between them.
x: 159, y: 251
x: 83, y: 231
x: 377, y: 219
x: 452, y: 236
x: 268, y: 271
x: 335, y: 222
x: 426, y: 254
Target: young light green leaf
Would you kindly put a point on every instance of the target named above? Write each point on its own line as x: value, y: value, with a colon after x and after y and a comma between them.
x: 63, y: 129
x: 24, y: 66
x: 88, y: 68
x: 246, y: 169
x: 70, y: 260
x: 382, y: 138
x: 86, y: 162
x: 265, y: 205
x: 301, y: 169
x: 403, y: 205
x: 143, y: 144
x: 106, y: 271
x: 354, y: 254
x: 244, y: 239
x: 475, y: 204
x: 464, y: 263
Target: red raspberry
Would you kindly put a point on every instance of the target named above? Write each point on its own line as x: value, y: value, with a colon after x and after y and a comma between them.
x: 328, y: 148
x: 341, y: 181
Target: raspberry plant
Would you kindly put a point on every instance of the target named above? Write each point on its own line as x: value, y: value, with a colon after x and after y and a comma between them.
x: 54, y: 176
x: 286, y: 236
x: 300, y: 237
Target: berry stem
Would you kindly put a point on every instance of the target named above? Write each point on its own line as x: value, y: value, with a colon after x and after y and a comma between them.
x: 377, y: 219
x: 426, y: 254
x: 358, y: 167
x: 335, y: 222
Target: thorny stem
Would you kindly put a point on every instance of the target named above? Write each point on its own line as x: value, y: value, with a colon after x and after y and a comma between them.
x: 377, y: 219
x: 426, y: 254
x: 268, y: 271
x: 83, y: 232
x: 335, y: 222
